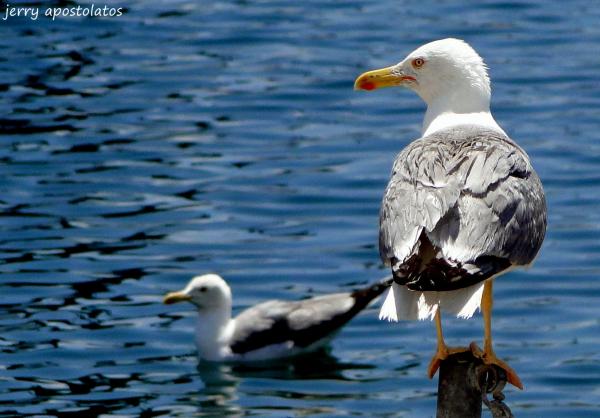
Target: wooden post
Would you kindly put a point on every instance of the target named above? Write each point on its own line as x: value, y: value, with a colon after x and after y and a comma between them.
x: 463, y: 385
x: 459, y: 394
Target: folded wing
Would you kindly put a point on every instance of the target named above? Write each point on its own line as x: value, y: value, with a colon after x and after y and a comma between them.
x: 461, y: 206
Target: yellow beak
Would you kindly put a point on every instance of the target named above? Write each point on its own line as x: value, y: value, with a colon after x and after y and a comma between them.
x: 376, y: 79
x: 175, y: 297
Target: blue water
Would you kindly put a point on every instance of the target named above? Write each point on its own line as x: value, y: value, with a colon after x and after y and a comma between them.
x: 192, y: 136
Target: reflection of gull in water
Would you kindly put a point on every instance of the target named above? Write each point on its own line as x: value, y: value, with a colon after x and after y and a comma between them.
x: 316, y: 365
x: 220, y: 393
x: 270, y: 330
x: 220, y: 390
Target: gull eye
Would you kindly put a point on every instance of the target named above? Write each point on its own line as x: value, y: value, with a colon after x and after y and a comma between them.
x: 418, y: 62
x: 203, y: 289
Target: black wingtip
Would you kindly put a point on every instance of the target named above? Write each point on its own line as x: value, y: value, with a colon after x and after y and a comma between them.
x: 372, y: 291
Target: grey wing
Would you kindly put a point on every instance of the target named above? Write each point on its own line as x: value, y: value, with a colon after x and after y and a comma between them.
x: 419, y: 194
x: 300, y: 322
x: 260, y: 325
x: 485, y: 199
x: 507, y: 221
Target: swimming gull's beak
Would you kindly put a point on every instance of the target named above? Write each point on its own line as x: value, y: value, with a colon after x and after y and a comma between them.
x: 175, y: 297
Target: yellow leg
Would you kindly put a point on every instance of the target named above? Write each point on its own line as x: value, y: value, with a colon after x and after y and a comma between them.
x: 443, y: 351
x: 487, y: 301
x: 488, y: 356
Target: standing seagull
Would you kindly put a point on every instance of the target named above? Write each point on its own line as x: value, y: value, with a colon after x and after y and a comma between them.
x: 463, y: 204
x: 270, y: 330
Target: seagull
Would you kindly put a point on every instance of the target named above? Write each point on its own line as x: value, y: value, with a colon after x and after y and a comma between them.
x: 270, y: 330
x: 463, y: 204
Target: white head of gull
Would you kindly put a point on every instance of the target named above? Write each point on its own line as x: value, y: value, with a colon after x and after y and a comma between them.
x: 214, y: 327
x: 449, y: 76
x: 269, y: 330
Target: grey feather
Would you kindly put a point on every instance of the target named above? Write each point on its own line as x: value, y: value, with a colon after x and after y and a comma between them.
x: 301, y: 323
x: 471, y: 191
x: 298, y: 314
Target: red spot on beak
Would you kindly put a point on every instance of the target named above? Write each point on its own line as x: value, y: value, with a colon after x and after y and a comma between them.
x: 367, y: 85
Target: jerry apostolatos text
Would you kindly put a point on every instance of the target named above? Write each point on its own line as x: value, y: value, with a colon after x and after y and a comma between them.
x: 55, y: 12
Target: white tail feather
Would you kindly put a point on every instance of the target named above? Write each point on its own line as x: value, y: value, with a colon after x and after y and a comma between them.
x: 404, y: 304
x: 388, y: 309
x: 472, y: 304
x: 428, y: 304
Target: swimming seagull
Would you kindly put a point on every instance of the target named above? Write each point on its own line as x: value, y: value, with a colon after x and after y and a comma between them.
x: 463, y: 204
x: 270, y: 330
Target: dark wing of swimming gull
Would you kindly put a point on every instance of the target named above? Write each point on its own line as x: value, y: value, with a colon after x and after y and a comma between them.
x: 456, y: 208
x: 301, y: 322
